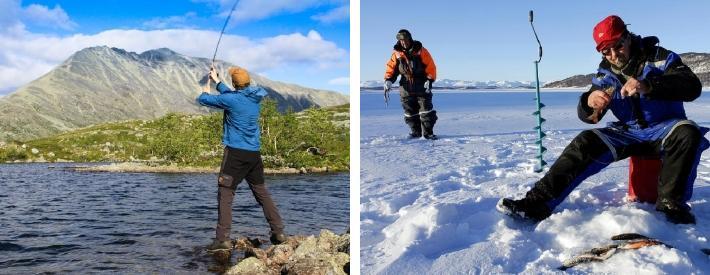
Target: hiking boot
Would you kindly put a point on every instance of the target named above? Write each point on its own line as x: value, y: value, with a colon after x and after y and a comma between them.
x: 431, y: 137
x: 678, y: 213
x: 278, y: 238
x: 413, y: 135
x: 217, y: 245
x: 524, y: 208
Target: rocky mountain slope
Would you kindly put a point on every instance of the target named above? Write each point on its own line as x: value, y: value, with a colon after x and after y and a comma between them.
x: 577, y: 81
x: 102, y: 84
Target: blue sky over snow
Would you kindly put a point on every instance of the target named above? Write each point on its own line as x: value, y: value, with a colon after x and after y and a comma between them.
x: 492, y: 40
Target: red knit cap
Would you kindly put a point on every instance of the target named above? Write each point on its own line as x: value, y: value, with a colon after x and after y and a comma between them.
x: 608, y: 31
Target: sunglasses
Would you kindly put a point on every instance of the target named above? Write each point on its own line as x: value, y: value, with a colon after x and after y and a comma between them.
x: 617, y: 46
x: 401, y: 36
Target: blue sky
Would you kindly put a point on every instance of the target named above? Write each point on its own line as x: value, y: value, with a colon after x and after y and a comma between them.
x: 305, y: 42
x: 492, y: 40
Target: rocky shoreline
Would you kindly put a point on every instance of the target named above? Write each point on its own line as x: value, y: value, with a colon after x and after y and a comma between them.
x: 131, y: 167
x: 327, y: 253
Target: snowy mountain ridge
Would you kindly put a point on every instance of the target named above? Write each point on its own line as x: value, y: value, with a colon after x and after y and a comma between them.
x: 698, y: 62
x: 460, y: 84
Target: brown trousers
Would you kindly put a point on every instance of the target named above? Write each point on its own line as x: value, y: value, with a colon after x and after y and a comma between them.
x: 237, y: 165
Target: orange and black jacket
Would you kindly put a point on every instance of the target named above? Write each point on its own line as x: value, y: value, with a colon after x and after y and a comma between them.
x: 415, y: 65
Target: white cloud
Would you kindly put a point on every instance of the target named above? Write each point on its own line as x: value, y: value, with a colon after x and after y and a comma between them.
x: 13, y: 17
x: 10, y: 17
x: 258, y: 9
x: 8, y: 12
x: 42, y: 15
x: 26, y: 57
x: 284, y: 49
x: 180, y: 21
x: 339, y: 14
x: 340, y: 81
x: 247, y: 10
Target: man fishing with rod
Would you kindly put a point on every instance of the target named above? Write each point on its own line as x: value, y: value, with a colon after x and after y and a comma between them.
x: 242, y: 159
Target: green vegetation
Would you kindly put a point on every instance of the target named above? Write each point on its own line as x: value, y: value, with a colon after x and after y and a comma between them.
x: 316, y: 137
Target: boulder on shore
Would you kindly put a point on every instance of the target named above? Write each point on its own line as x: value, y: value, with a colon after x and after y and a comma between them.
x: 327, y: 253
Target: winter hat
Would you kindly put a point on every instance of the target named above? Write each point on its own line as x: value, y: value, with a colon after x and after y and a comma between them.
x: 404, y: 34
x: 240, y: 77
x: 608, y: 31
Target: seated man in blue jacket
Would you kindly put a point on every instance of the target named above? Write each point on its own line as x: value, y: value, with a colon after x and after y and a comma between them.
x: 242, y: 159
x: 644, y: 86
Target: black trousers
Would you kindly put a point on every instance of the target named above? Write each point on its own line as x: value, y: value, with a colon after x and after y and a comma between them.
x: 588, y: 154
x: 237, y: 165
x: 419, y: 113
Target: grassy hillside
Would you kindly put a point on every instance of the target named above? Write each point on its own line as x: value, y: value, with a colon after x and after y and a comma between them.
x: 316, y: 137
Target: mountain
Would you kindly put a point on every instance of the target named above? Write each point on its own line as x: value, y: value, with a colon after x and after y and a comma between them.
x: 577, y: 81
x: 459, y: 84
x: 698, y: 62
x: 102, y: 84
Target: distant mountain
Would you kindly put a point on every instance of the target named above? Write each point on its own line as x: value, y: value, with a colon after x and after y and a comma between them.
x: 459, y: 84
x: 102, y: 84
x: 577, y: 81
x: 698, y: 62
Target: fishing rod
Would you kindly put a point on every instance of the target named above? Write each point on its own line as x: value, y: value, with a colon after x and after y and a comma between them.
x: 538, y: 113
x: 214, y: 56
x: 222, y: 32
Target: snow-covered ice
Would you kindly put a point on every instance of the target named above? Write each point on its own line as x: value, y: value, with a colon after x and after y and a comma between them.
x: 429, y: 207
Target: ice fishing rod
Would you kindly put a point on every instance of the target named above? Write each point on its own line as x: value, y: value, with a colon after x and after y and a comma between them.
x: 538, y: 113
x: 536, y: 38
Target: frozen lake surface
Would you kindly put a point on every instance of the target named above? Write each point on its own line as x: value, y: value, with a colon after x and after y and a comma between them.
x: 429, y: 207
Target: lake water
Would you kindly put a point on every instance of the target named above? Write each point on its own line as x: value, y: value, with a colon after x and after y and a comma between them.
x: 53, y: 219
x: 466, y: 112
x: 372, y: 102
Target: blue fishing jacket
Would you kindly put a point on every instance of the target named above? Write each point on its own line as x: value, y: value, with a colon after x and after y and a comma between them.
x: 671, y: 83
x: 241, y: 115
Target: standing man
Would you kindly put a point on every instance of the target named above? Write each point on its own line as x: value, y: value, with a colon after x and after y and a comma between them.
x: 242, y: 159
x: 644, y: 86
x: 411, y: 60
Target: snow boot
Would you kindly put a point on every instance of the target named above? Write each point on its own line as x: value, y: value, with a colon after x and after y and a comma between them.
x: 524, y: 208
x: 414, y: 135
x: 678, y: 213
x: 431, y: 137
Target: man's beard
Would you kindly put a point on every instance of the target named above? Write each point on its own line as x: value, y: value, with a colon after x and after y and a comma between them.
x: 620, y: 62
